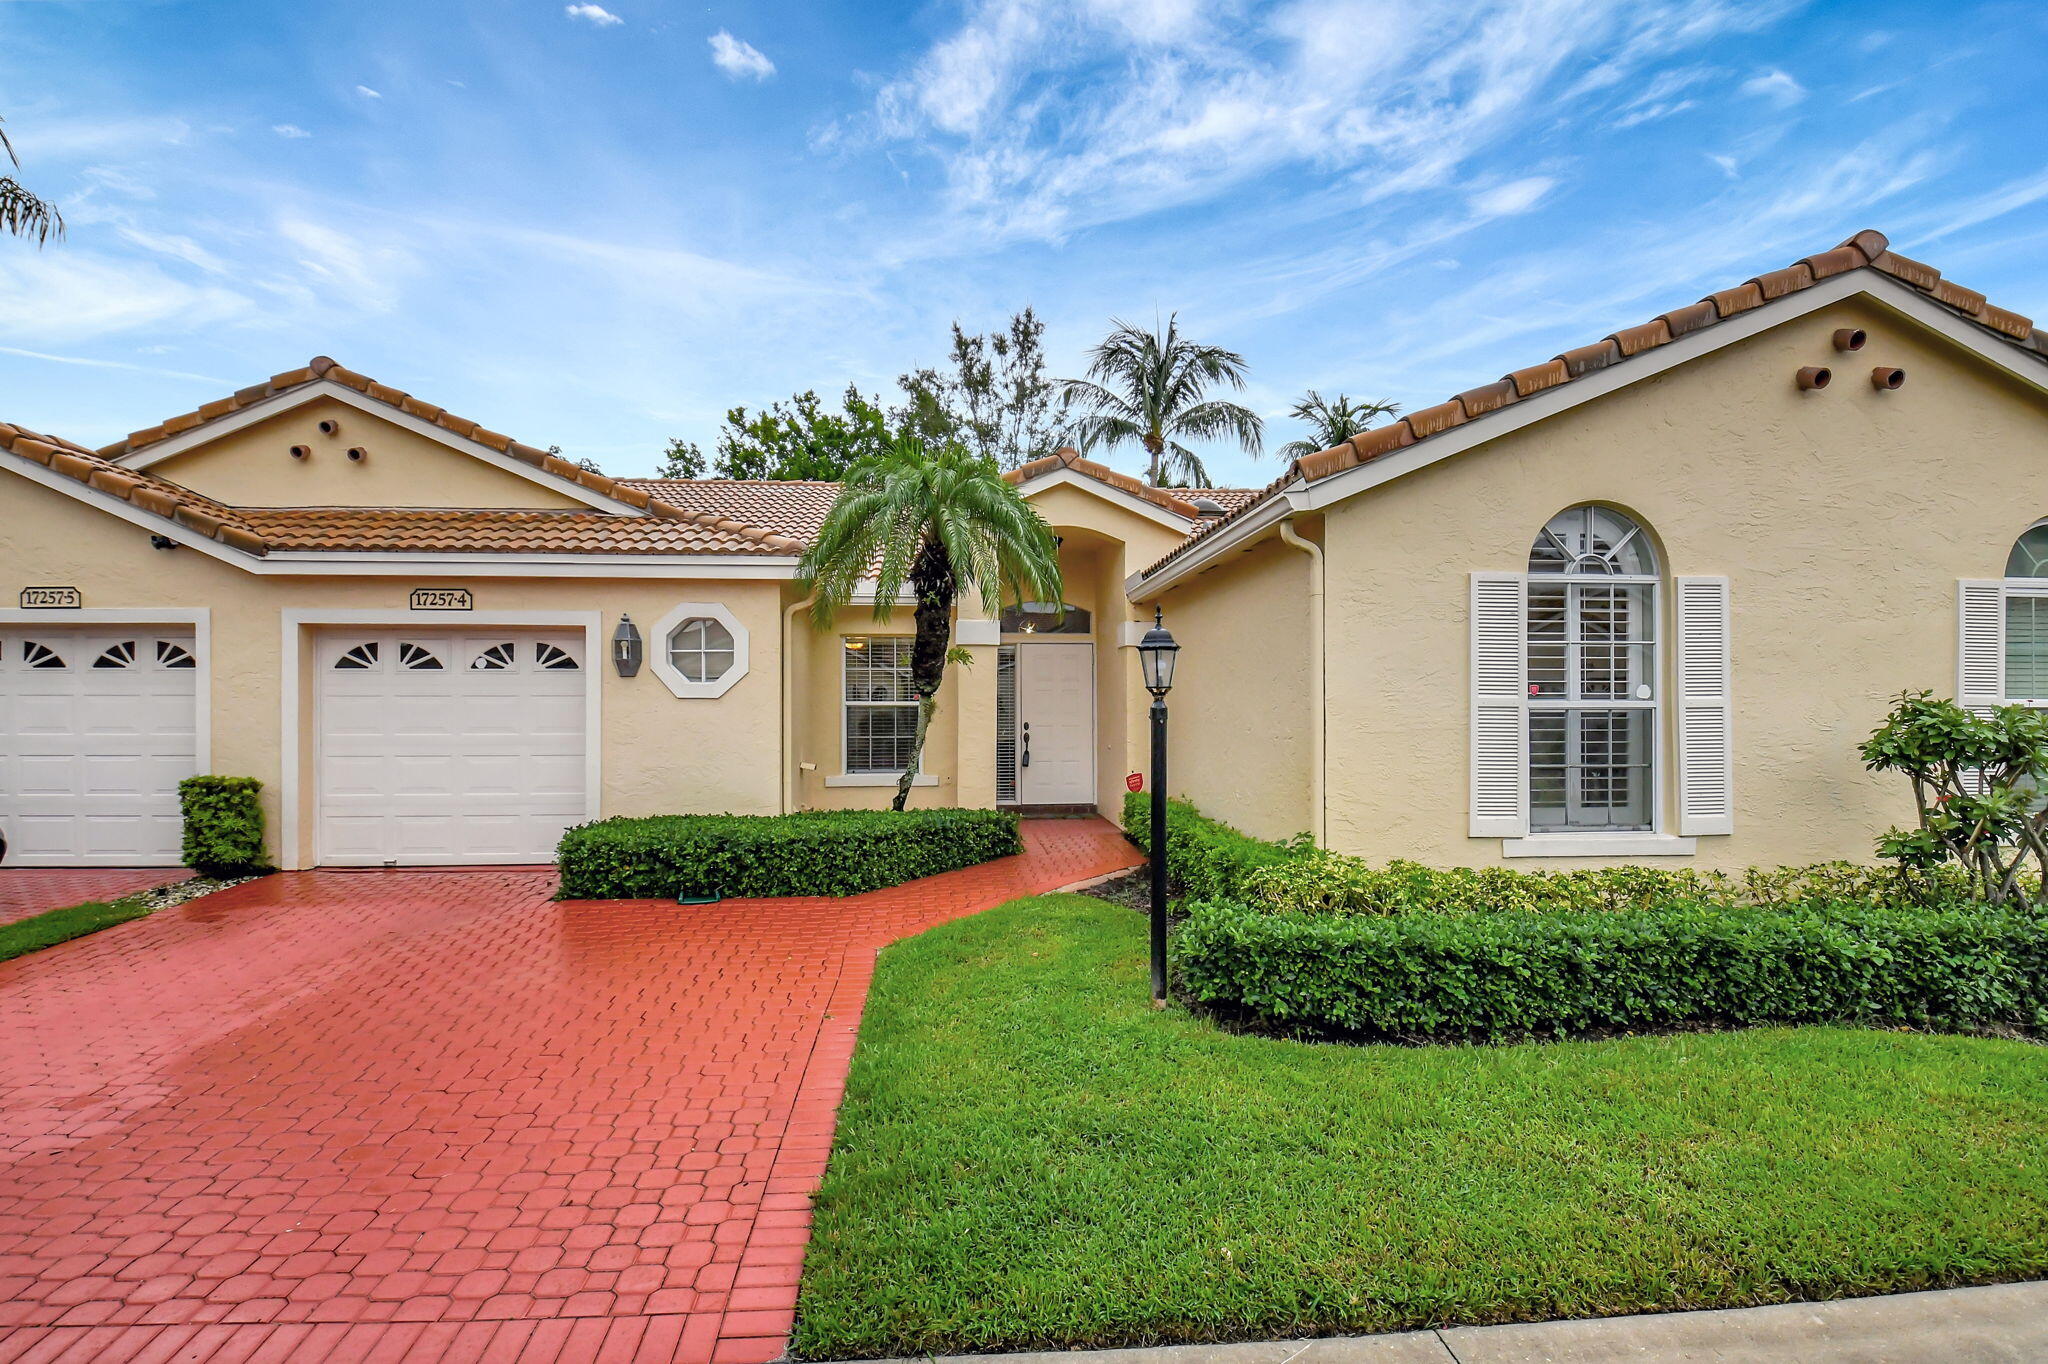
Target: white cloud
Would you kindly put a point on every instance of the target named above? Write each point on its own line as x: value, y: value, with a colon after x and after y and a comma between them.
x: 289, y: 130
x: 367, y: 93
x: 52, y: 297
x: 1516, y: 196
x: 596, y: 14
x: 1728, y: 164
x: 366, y: 274
x: 1775, y: 86
x: 176, y: 247
x: 739, y: 59
x: 1049, y: 116
x: 92, y: 363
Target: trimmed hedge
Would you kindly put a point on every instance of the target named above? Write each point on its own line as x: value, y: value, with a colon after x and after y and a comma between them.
x: 1329, y: 883
x: 830, y: 852
x: 1489, y: 977
x: 223, y: 826
x: 1206, y: 859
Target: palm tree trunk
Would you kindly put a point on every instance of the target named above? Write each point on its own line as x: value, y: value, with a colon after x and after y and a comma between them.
x: 933, y: 582
x: 1155, y: 445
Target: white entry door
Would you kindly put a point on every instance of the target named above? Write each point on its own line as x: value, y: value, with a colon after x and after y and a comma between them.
x: 445, y: 748
x: 1056, y: 724
x: 97, y: 728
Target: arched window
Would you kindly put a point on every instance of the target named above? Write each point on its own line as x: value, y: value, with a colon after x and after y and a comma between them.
x: 1592, y: 673
x: 2026, y: 624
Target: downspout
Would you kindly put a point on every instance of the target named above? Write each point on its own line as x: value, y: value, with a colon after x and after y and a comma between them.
x: 1318, y: 702
x: 789, y: 705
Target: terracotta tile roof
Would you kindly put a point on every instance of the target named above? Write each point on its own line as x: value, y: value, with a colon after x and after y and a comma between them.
x: 434, y: 530
x: 790, y: 507
x: 1866, y: 249
x: 1230, y: 499
x: 260, y: 530
x: 1166, y: 498
x: 156, y: 495
x: 321, y: 367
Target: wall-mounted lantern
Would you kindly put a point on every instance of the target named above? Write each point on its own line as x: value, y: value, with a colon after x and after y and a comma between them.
x: 626, y: 650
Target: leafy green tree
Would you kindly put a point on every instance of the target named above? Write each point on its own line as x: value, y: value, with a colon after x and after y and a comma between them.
x: 1151, y: 388
x: 1333, y: 421
x: 994, y: 397
x: 943, y: 522
x: 23, y: 214
x: 802, y: 439
x: 1976, y: 787
x: 682, y: 459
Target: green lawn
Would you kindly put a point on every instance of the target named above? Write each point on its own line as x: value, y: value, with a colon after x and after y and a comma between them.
x: 1030, y: 1157
x: 61, y: 925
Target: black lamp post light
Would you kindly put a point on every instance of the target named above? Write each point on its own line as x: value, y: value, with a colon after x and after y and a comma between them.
x: 1156, y: 653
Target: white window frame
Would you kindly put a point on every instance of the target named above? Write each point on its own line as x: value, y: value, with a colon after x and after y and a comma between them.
x: 672, y: 677
x: 846, y: 776
x: 1655, y: 705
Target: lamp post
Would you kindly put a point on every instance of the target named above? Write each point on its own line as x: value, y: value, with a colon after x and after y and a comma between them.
x: 1156, y: 653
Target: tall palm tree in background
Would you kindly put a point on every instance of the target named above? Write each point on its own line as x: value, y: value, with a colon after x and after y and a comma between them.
x: 946, y: 523
x: 22, y: 214
x: 1332, y: 421
x: 1151, y: 387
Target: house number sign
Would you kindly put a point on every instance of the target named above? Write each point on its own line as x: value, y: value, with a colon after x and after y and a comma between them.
x: 442, y: 599
x: 52, y: 598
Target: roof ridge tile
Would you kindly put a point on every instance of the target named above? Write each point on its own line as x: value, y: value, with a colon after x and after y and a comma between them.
x: 1866, y: 249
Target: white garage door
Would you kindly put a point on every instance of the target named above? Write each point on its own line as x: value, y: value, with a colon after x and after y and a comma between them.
x: 444, y: 748
x: 96, y: 730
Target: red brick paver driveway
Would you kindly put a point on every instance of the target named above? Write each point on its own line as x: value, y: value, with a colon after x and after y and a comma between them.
x: 434, y: 1115
x: 31, y: 890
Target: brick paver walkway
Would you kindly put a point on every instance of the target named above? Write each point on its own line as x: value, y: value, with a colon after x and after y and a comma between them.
x: 344, y: 1116
x: 31, y: 890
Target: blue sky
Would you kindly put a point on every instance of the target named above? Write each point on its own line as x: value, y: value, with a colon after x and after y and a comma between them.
x: 599, y: 226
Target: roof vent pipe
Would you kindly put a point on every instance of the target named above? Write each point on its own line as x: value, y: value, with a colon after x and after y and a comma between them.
x: 1815, y: 376
x: 1884, y: 378
x: 1209, y: 508
x: 1850, y: 338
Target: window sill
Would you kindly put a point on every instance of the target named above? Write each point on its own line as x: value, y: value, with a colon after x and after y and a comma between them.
x: 879, y: 779
x: 1599, y: 845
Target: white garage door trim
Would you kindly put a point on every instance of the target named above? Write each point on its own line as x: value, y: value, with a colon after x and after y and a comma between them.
x: 199, y: 620
x: 297, y: 648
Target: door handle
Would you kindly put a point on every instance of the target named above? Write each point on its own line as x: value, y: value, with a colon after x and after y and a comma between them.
x: 1026, y: 762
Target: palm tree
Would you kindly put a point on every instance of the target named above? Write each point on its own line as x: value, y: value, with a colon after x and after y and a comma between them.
x: 946, y: 523
x: 1149, y: 387
x: 22, y: 213
x: 1332, y: 422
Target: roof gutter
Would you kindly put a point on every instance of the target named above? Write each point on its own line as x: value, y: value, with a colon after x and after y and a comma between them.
x: 1317, y: 674
x: 789, y: 705
x: 1262, y: 517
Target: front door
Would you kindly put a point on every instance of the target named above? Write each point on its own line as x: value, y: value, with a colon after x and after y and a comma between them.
x: 1056, y: 724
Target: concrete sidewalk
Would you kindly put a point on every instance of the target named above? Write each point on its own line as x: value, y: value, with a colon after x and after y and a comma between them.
x: 2002, y: 1324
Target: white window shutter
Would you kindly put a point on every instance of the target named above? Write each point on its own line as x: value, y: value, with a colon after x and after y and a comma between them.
x: 1706, y: 751
x: 1980, y: 644
x: 1500, y: 706
x: 1980, y: 652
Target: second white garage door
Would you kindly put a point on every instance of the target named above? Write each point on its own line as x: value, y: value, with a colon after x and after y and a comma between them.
x: 446, y: 749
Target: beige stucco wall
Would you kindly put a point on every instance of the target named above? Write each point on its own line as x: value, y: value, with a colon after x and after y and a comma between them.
x: 1240, y: 731
x: 253, y: 467
x: 659, y: 753
x: 1843, y: 517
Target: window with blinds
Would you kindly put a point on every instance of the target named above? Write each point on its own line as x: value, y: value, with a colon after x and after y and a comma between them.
x: 881, y: 711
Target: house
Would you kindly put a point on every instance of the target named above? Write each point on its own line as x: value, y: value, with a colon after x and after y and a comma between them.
x: 1640, y: 600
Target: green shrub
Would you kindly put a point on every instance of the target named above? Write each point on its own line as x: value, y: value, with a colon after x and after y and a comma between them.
x: 1205, y: 858
x: 1329, y: 883
x: 833, y: 852
x: 1496, y: 976
x: 223, y: 826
